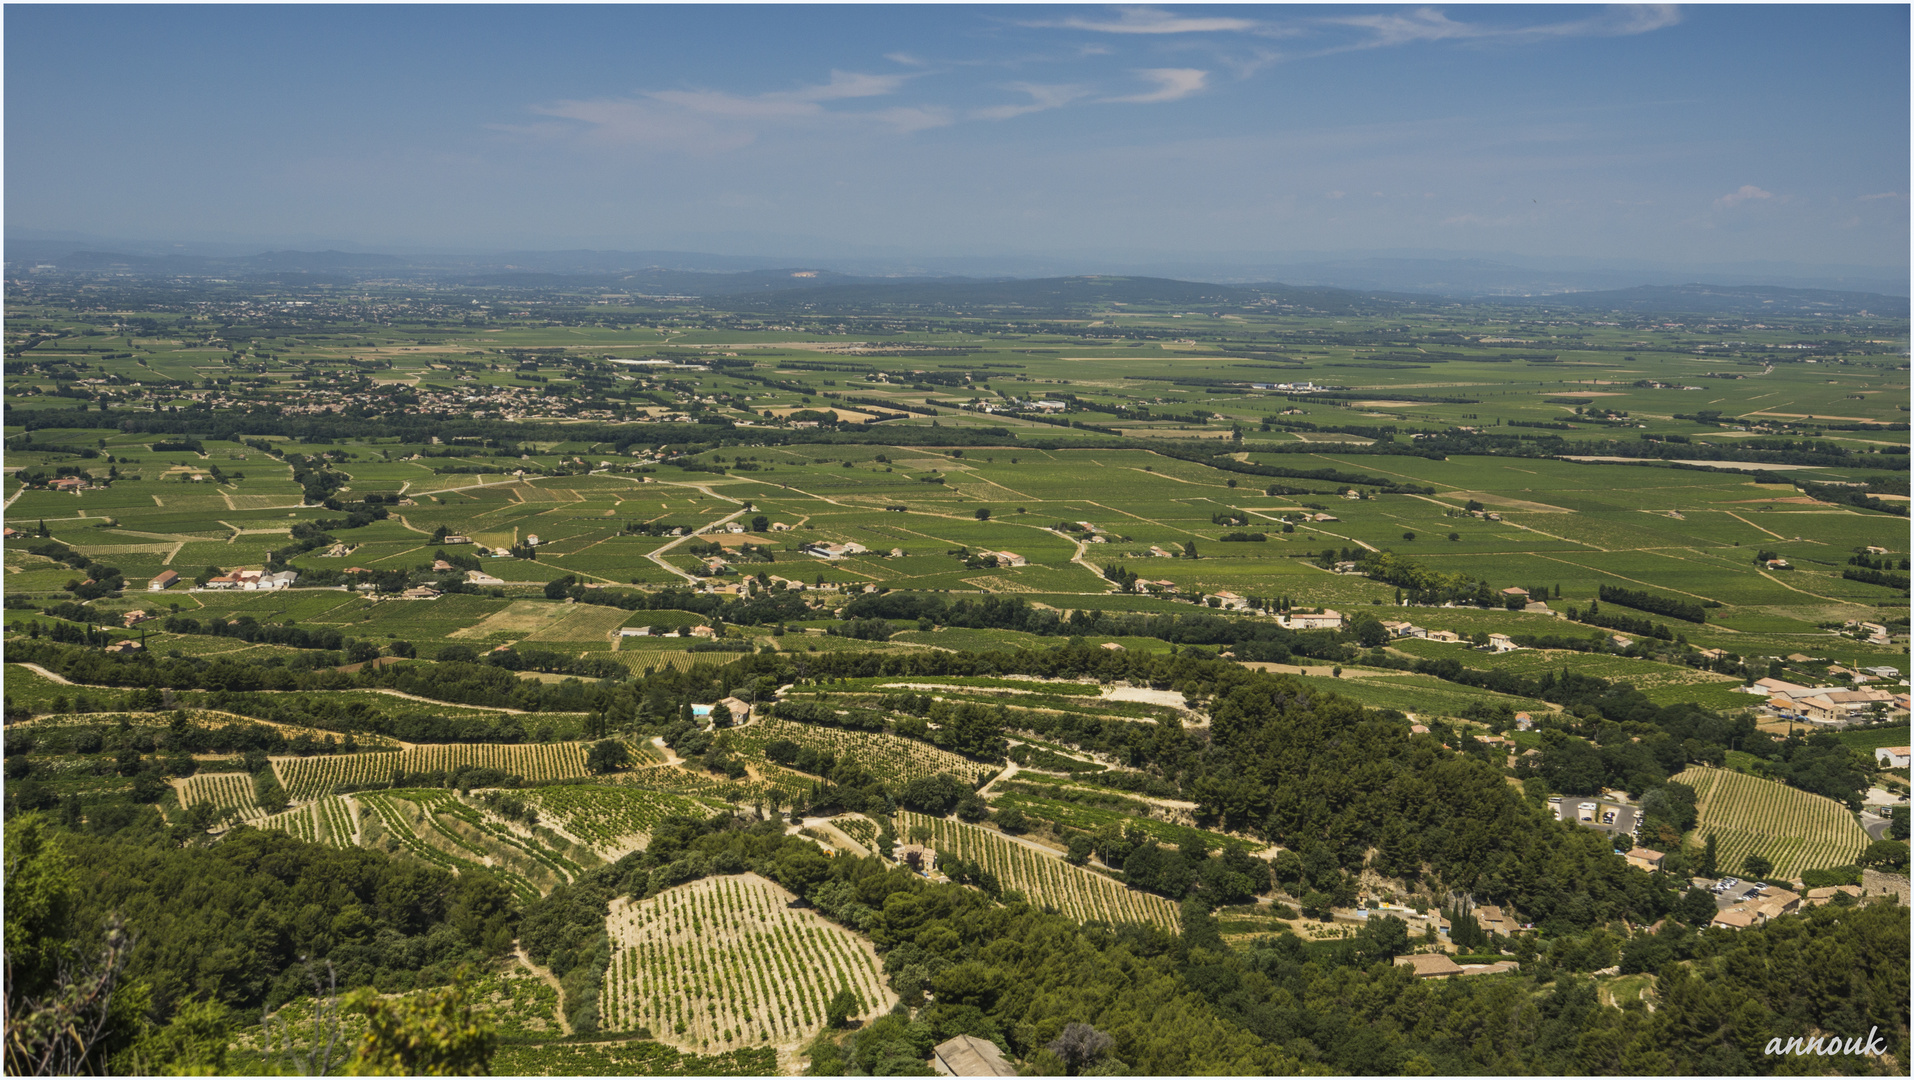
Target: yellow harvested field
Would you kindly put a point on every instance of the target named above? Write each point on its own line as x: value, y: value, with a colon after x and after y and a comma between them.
x: 582, y: 622
x: 523, y: 617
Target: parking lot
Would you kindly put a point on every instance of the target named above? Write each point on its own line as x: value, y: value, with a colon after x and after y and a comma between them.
x: 1726, y: 898
x: 1610, y: 816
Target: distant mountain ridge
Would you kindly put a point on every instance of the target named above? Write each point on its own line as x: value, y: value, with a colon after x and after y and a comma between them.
x: 817, y: 288
x: 1716, y: 299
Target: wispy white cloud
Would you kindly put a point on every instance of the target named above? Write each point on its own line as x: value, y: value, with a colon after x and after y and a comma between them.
x: 905, y: 119
x: 1433, y: 24
x: 846, y: 84
x: 706, y: 121
x: 1171, y: 84
x: 1042, y: 96
x: 1148, y: 20
x: 1881, y: 195
x: 1742, y: 194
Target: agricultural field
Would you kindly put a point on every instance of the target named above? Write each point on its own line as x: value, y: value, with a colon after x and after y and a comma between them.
x: 1792, y: 829
x: 612, y: 819
x: 436, y: 827
x: 1869, y: 741
x: 313, y: 777
x: 726, y: 963
x: 326, y: 821
x: 579, y: 461
x: 1044, y: 879
x: 229, y: 793
x: 887, y: 755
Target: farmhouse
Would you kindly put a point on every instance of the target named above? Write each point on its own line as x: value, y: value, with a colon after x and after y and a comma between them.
x: 1008, y: 558
x: 165, y: 580
x: 69, y: 483
x: 1524, y: 722
x: 474, y: 577
x: 126, y: 646
x: 1449, y: 636
x: 826, y: 550
x: 1502, y: 643
x: 531, y: 540
x: 634, y: 631
x: 1516, y: 590
x: 740, y: 710
x: 1326, y: 620
x: 1404, y: 629
x: 1231, y: 601
x: 1734, y: 919
x: 440, y: 566
x: 1644, y: 858
x: 423, y: 592
x: 454, y: 538
x: 703, y: 632
x: 1893, y: 757
x: 1776, y: 903
x: 1494, y: 919
x: 1429, y: 965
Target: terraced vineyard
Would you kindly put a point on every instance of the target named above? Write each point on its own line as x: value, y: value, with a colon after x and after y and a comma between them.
x: 640, y: 1057
x: 432, y: 825
x: 313, y: 777
x: 609, y: 817
x: 324, y: 821
x: 725, y: 963
x: 776, y: 784
x: 226, y: 791
x: 889, y: 756
x: 1084, y: 895
x: 1791, y: 828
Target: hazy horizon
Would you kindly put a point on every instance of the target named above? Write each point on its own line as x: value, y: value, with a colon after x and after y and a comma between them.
x: 1653, y: 137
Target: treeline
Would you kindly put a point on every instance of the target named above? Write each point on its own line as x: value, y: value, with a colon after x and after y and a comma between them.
x: 1685, y: 610
x: 1262, y: 640
x: 1627, y: 624
x: 1881, y: 571
x: 247, y: 628
x: 212, y: 935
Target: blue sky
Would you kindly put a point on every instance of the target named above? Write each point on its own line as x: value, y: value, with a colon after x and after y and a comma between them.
x: 1710, y: 134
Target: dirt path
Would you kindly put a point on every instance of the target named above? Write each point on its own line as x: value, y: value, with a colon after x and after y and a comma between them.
x: 1804, y: 592
x: 51, y: 677
x: 1752, y: 525
x: 518, y: 951
x: 1637, y: 581
x: 837, y: 835
x: 671, y: 756
x: 702, y: 530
